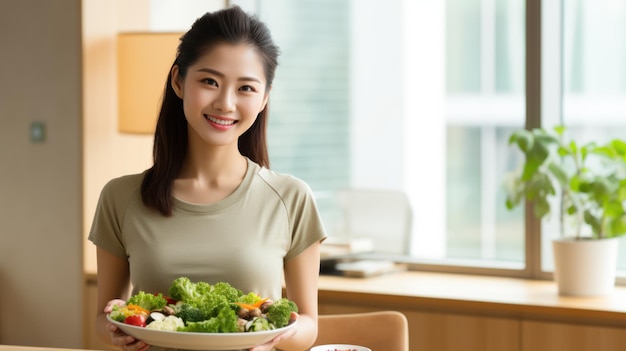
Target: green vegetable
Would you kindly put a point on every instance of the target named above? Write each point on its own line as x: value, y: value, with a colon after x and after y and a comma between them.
x: 224, y: 322
x: 258, y: 324
x: 214, y: 308
x: 228, y: 291
x: 183, y: 289
x: 117, y: 314
x: 150, y: 302
x: 212, y: 304
x: 279, y: 313
x: 205, y: 299
x: 249, y: 299
x: 190, y: 313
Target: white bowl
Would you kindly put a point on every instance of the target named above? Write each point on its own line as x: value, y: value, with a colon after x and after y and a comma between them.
x: 201, y: 341
x: 340, y: 347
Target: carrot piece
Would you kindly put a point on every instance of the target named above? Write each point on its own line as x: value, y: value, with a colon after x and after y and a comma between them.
x: 137, y: 308
x: 246, y: 306
x: 254, y: 305
x: 260, y: 302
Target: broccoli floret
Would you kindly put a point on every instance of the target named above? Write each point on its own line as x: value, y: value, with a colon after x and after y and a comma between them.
x: 148, y: 301
x: 183, y: 289
x: 117, y: 314
x: 228, y: 291
x: 250, y: 298
x: 203, y: 288
x: 212, y: 304
x: 224, y: 322
x: 190, y: 313
x: 279, y: 313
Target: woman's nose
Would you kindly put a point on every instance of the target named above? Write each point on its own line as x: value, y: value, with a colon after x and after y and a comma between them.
x: 225, y: 101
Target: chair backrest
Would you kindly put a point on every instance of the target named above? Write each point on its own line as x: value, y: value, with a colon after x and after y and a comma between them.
x: 379, y: 331
x: 382, y: 215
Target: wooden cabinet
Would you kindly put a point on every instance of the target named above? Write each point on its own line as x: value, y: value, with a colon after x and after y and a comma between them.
x: 434, y: 331
x: 462, y: 312
x: 548, y: 336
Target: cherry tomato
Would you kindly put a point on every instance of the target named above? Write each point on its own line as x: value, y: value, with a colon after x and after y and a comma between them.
x: 138, y: 320
x: 170, y: 301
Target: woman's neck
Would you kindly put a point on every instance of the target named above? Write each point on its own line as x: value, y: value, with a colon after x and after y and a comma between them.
x: 210, y: 174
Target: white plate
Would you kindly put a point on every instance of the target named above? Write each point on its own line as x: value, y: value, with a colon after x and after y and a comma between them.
x: 340, y: 347
x: 200, y: 341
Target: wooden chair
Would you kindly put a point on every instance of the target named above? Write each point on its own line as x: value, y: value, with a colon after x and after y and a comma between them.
x: 379, y: 331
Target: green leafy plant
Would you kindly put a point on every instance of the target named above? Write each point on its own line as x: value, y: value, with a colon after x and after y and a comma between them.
x: 588, y: 180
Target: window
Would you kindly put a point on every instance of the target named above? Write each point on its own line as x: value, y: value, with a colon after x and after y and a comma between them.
x: 422, y: 101
x: 421, y: 96
x: 593, y: 91
x: 308, y: 132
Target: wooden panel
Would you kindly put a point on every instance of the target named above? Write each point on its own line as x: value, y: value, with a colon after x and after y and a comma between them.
x: 545, y: 336
x: 448, y: 332
x: 434, y: 331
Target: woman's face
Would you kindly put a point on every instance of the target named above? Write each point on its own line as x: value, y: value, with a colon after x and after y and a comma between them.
x: 223, y: 93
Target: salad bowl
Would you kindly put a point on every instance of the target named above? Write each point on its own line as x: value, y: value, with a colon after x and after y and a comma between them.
x: 200, y: 341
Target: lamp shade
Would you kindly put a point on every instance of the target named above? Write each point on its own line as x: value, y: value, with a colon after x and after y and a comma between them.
x: 143, y: 63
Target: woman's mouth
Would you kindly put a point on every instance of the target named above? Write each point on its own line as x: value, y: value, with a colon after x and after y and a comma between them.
x: 220, y: 121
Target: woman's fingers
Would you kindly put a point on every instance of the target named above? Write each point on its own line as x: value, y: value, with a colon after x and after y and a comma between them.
x: 286, y: 335
x: 124, y: 341
x: 109, y: 306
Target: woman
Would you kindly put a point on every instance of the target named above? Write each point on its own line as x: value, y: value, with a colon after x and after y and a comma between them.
x: 209, y: 208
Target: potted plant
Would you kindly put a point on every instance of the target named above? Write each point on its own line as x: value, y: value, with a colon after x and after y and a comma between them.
x: 586, y: 185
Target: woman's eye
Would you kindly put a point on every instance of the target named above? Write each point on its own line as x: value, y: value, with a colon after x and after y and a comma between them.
x: 247, y: 88
x: 209, y: 81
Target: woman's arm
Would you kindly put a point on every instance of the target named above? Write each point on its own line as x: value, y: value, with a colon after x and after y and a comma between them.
x: 113, y: 288
x: 301, y: 278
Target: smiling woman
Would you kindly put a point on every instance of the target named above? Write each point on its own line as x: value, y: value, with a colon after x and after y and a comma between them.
x: 209, y: 208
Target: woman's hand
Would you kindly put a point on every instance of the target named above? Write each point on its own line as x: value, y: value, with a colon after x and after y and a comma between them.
x: 120, y: 339
x: 109, y: 306
x: 124, y: 341
x: 286, y: 335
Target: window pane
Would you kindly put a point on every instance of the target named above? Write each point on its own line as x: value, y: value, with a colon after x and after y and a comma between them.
x: 594, y: 77
x: 308, y: 133
x: 481, y: 114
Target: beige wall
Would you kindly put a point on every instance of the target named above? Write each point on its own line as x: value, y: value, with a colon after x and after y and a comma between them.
x: 51, y: 50
x: 40, y: 184
x: 108, y: 153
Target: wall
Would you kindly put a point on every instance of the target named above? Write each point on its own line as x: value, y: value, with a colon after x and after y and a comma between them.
x: 40, y: 183
x: 108, y: 153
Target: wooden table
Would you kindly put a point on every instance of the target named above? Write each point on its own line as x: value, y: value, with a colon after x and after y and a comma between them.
x: 32, y: 348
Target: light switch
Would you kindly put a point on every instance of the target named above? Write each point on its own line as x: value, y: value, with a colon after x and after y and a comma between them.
x: 37, y: 132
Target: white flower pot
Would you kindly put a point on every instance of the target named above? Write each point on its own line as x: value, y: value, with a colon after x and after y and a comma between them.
x: 585, y: 267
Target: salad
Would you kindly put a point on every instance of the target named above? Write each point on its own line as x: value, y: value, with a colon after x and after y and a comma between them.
x: 204, y: 308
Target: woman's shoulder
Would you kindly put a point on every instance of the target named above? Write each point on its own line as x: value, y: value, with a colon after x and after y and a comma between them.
x: 284, y: 183
x: 124, y: 184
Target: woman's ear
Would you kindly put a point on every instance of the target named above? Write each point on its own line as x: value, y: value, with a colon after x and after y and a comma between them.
x: 177, y: 81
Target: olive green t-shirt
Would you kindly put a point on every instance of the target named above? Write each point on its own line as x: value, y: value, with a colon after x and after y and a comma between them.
x: 244, y: 239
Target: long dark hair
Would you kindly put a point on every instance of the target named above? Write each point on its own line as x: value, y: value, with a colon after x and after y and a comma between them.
x: 231, y: 25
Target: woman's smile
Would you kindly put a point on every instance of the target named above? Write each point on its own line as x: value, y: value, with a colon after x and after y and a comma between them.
x: 221, y: 123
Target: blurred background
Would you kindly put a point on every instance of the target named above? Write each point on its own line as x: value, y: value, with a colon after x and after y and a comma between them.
x: 416, y: 97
